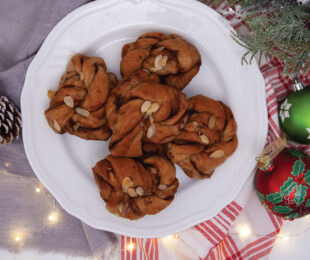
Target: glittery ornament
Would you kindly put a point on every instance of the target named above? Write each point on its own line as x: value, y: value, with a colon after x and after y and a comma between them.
x: 294, y: 114
x: 284, y: 186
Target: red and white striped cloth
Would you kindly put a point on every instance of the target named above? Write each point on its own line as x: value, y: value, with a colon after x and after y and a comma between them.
x: 222, y: 237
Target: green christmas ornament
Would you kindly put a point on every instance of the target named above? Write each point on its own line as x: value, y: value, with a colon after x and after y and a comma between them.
x: 295, y: 114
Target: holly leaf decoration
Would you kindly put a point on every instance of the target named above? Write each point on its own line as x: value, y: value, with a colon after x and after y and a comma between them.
x: 288, y: 186
x: 307, y: 177
x: 293, y: 215
x: 261, y: 196
x: 298, y: 168
x: 274, y: 198
x: 300, y: 194
x: 282, y: 209
x: 308, y: 203
x: 296, y: 153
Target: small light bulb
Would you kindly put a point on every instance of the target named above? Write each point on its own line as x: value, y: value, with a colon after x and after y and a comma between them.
x: 284, y: 237
x: 38, y: 190
x: 130, y: 246
x: 244, y: 231
x: 52, y: 218
x: 17, y: 238
x: 7, y: 165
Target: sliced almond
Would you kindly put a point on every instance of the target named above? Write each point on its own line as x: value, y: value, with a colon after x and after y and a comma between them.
x: 151, y: 119
x: 153, y: 108
x: 162, y: 187
x: 76, y: 126
x: 160, y: 48
x: 153, y: 69
x: 57, y: 126
x: 81, y: 76
x: 126, y: 184
x: 68, y: 100
x: 147, y: 71
x: 217, y: 154
x: 132, y: 192
x: 121, y: 208
x: 204, y: 139
x: 195, y: 123
x: 50, y: 94
x: 157, y: 62
x: 145, y: 106
x: 163, y: 61
x: 153, y: 170
x: 82, y: 111
x: 139, y: 190
x: 212, y: 121
x: 151, y: 131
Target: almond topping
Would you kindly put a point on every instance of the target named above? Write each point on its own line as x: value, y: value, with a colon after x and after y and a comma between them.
x: 81, y: 76
x: 163, y: 61
x: 147, y: 71
x: 160, y: 62
x: 139, y: 190
x: 132, y: 192
x: 217, y: 154
x: 121, y: 208
x: 57, y: 126
x: 195, y: 123
x: 50, y: 94
x: 76, y: 126
x: 211, y: 123
x: 157, y: 62
x: 204, y: 139
x: 145, y: 106
x: 151, y: 119
x: 68, y: 100
x: 153, y: 108
x: 126, y: 184
x: 82, y: 111
x: 151, y: 131
x: 162, y: 187
x: 153, y: 170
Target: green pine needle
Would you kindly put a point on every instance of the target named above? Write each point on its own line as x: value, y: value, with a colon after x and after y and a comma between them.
x: 278, y: 29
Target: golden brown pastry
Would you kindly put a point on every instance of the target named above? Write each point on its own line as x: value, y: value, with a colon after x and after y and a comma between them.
x: 207, y: 140
x: 78, y: 106
x: 168, y: 55
x: 141, y: 110
x: 132, y: 188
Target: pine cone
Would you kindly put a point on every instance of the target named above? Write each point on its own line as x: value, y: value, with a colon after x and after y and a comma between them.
x: 10, y: 121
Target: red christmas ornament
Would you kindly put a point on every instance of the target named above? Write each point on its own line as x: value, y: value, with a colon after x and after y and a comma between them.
x: 284, y: 186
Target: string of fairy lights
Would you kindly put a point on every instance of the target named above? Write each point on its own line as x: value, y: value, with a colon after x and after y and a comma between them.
x: 18, y: 237
x: 52, y: 217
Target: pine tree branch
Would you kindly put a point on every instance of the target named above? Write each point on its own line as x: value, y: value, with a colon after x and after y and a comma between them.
x: 278, y: 29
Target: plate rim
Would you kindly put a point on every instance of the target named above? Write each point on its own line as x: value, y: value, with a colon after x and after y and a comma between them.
x: 65, y: 204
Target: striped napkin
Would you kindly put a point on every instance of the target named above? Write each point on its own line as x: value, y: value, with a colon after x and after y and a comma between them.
x: 243, y: 229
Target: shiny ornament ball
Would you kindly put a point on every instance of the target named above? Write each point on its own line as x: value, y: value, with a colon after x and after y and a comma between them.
x: 284, y: 188
x: 294, y: 115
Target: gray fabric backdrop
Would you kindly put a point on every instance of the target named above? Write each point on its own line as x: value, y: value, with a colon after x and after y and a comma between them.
x: 24, y: 24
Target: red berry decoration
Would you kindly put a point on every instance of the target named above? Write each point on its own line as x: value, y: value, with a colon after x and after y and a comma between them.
x: 284, y: 188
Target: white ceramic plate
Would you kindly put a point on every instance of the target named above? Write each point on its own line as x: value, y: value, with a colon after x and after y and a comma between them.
x: 63, y: 163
